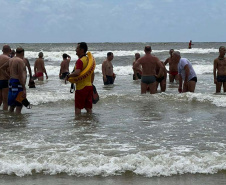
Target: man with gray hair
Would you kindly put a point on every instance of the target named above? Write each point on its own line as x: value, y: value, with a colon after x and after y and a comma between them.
x: 186, y: 73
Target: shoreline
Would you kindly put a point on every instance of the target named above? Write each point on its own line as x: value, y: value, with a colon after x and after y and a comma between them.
x: 127, y: 178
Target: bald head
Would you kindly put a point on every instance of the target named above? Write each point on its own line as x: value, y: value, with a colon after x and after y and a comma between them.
x: 6, y: 49
x: 176, y: 53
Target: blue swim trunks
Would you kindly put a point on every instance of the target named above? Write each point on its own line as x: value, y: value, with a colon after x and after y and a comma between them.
x: 14, y: 88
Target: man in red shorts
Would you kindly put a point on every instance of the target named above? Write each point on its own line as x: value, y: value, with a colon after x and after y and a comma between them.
x: 173, y: 69
x: 84, y: 88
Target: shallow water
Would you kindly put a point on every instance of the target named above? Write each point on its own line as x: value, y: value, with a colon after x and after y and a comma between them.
x: 149, y: 136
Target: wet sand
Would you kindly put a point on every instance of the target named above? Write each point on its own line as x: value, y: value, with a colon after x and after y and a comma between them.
x: 126, y: 179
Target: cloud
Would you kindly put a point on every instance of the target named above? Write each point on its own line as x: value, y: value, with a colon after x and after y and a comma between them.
x: 107, y: 21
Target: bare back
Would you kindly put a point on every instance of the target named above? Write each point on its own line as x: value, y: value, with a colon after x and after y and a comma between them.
x: 4, y: 72
x: 18, y: 69
x: 64, y: 67
x: 39, y: 66
x: 149, y: 63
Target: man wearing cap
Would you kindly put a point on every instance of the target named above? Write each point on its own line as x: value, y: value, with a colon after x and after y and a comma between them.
x: 39, y: 67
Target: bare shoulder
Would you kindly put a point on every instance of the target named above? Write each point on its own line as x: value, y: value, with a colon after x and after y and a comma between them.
x: 216, y: 60
x: 104, y: 62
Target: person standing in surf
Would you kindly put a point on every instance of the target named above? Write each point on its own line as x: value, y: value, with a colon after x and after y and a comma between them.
x: 18, y: 75
x: 219, y: 70
x: 64, y: 66
x: 107, y: 70
x: 189, y: 44
x: 4, y: 76
x: 187, y: 75
x: 39, y: 67
x: 84, y: 88
x: 173, y: 69
x: 137, y: 74
x: 149, y: 64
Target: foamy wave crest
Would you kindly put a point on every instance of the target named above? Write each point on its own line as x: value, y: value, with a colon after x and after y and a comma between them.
x: 125, y: 70
x: 153, y: 163
x: 57, y: 55
x: 203, y: 69
x: 40, y: 97
x: 118, y: 70
x: 199, y: 50
x: 218, y: 100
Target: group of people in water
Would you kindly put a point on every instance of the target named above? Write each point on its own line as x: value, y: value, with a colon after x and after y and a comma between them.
x: 148, y: 68
x: 13, y: 77
x: 152, y: 72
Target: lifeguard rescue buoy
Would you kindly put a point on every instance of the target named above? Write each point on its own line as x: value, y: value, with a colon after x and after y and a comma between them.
x: 87, y: 71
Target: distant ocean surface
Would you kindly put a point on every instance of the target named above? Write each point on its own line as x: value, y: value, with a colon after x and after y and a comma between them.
x: 165, y: 138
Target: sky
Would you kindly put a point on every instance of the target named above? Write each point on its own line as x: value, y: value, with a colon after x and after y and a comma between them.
x: 71, y: 21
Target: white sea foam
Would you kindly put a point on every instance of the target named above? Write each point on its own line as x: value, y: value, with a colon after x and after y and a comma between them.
x: 57, y: 55
x: 126, y: 70
x: 218, y: 100
x: 153, y: 163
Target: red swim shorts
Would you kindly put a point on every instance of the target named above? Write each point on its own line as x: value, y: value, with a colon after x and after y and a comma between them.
x: 39, y: 74
x: 84, y: 98
x: 174, y: 73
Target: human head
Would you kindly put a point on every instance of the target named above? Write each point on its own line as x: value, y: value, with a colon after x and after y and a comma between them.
x: 81, y: 49
x: 176, y: 56
x: 137, y: 56
x: 20, y: 52
x: 6, y: 49
x: 40, y: 54
x: 12, y: 54
x: 147, y: 49
x: 110, y: 56
x: 64, y: 56
x: 171, y: 52
x: 222, y: 50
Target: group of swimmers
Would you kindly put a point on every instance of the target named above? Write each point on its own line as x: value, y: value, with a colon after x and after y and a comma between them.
x: 152, y: 71
x: 148, y: 68
x: 13, y: 76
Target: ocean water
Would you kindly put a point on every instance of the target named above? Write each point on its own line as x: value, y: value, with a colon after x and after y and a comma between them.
x: 152, y: 139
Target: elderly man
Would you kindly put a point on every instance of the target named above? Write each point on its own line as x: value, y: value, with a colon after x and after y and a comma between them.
x: 149, y: 64
x: 186, y: 73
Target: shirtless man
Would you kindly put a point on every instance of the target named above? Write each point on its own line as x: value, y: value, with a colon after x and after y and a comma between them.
x: 39, y: 67
x: 137, y: 74
x: 107, y: 70
x: 219, y: 70
x: 187, y: 75
x: 64, y: 66
x: 162, y: 79
x: 149, y: 64
x: 17, y: 80
x: 4, y: 76
x: 173, y: 69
